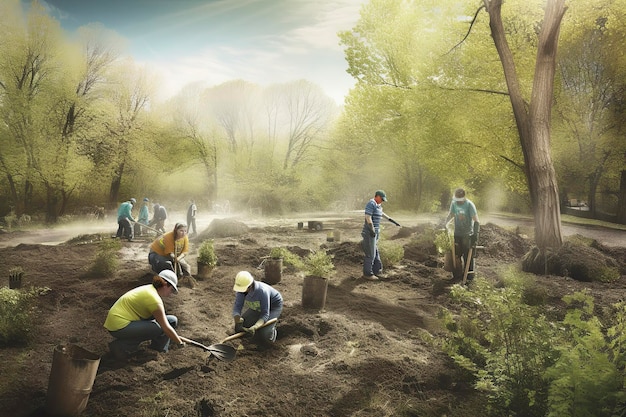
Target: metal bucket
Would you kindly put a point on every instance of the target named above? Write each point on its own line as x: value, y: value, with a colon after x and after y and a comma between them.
x: 72, y: 376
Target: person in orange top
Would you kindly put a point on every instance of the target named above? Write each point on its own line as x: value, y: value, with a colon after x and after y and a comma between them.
x: 169, y: 251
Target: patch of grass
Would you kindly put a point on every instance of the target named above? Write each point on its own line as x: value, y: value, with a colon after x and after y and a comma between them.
x: 105, y: 262
x: 16, y: 315
x: 391, y: 254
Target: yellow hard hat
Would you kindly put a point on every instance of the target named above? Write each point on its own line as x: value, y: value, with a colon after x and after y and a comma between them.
x: 243, y: 281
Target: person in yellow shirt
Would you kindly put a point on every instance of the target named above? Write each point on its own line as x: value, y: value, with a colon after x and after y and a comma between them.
x: 169, y: 250
x: 139, y: 315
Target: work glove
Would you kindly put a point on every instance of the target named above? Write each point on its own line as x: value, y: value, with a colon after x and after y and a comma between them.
x: 173, y: 257
x: 372, y: 232
x: 238, y: 324
x: 393, y: 221
x: 252, y: 329
x: 474, y: 236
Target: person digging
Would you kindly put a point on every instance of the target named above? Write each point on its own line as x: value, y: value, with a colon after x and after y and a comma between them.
x: 262, y: 303
x: 169, y: 252
x: 466, y: 230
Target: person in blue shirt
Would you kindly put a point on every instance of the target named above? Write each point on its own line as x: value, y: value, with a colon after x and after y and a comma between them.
x: 124, y: 219
x: 261, y: 302
x: 372, y: 265
x: 466, y: 229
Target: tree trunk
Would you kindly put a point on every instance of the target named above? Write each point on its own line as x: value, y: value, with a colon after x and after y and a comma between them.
x: 534, y: 126
x: 621, y: 199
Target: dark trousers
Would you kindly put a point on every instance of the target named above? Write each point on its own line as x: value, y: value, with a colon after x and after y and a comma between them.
x: 124, y: 229
x: 462, y: 246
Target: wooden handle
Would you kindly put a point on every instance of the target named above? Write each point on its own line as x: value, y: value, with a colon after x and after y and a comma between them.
x: 241, y: 334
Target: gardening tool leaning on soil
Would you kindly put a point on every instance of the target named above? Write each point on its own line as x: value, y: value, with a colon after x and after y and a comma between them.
x: 244, y: 333
x: 263, y: 303
x: 466, y: 229
x: 139, y: 315
x: 220, y: 351
x: 149, y: 228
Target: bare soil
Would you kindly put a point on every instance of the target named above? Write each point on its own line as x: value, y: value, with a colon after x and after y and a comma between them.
x: 367, y: 353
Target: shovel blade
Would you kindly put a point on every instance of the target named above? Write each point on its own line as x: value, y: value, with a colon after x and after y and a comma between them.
x: 222, y: 352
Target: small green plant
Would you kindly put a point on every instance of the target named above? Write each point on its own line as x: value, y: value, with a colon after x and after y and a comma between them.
x: 105, y: 262
x: 206, y: 253
x: 319, y: 264
x: 17, y: 315
x: 289, y: 258
x: 443, y: 241
x: 390, y: 253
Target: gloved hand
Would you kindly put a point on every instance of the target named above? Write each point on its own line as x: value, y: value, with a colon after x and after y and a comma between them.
x: 250, y: 330
x: 173, y: 256
x: 474, y: 236
x: 238, y: 324
x: 372, y: 232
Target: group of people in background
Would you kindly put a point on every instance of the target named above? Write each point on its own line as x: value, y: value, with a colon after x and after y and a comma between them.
x: 129, y: 227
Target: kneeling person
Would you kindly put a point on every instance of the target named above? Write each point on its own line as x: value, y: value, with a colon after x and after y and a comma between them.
x: 139, y: 315
x: 262, y: 302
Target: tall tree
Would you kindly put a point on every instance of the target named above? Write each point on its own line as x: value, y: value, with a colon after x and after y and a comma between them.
x: 533, y: 118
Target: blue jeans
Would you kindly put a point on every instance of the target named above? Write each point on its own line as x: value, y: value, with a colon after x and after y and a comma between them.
x: 129, y: 338
x: 371, y: 262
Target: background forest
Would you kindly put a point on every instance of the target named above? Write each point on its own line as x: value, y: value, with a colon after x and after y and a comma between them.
x: 83, y: 125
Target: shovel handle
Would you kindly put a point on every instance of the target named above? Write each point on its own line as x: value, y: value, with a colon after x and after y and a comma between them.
x: 241, y: 334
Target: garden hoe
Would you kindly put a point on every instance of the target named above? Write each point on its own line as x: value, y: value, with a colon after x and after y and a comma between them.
x: 241, y: 334
x: 220, y: 351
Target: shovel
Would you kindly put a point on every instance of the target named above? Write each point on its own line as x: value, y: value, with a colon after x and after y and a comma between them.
x: 468, y: 263
x: 220, y: 351
x: 241, y: 334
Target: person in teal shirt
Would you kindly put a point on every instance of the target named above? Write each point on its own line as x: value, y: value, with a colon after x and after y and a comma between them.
x: 124, y: 219
x: 466, y: 229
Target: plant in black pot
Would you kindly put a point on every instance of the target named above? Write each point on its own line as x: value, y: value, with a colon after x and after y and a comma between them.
x: 318, y: 268
x: 207, y: 259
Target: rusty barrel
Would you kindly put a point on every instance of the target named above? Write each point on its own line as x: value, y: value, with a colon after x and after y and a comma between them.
x: 71, y: 379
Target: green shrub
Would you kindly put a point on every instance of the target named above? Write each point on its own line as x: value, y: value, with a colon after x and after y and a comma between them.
x: 443, y: 241
x: 16, y: 314
x: 390, y: 253
x: 289, y: 258
x: 105, y: 262
x: 587, y: 379
x: 206, y: 253
x: 504, y: 343
x: 319, y: 264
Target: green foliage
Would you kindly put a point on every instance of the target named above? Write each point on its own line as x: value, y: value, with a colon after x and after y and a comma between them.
x: 319, y: 264
x: 206, y: 253
x: 289, y: 258
x: 443, y: 241
x: 17, y: 314
x: 587, y: 379
x: 530, y: 367
x: 105, y: 262
x: 504, y: 344
x: 390, y: 253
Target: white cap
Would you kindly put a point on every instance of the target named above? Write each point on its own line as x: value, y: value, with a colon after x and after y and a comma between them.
x: 170, y: 277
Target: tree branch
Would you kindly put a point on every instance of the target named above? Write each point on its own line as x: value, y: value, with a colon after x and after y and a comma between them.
x: 468, y: 30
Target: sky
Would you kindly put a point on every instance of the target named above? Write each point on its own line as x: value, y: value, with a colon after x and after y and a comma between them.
x: 214, y: 41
